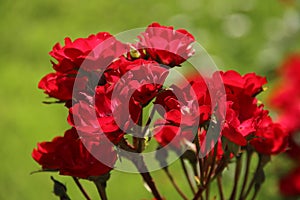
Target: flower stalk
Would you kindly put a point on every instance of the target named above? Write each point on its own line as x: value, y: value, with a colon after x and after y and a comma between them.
x: 249, y: 154
x: 82, y: 190
x: 101, y: 190
x: 238, y: 165
x: 138, y: 161
x: 180, y: 192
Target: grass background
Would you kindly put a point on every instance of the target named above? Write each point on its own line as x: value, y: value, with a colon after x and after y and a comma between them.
x: 247, y: 36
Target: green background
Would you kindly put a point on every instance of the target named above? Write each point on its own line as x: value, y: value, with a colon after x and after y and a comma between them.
x: 247, y: 36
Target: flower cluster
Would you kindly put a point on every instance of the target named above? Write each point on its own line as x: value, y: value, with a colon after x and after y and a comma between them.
x: 107, y: 85
x: 245, y: 121
x: 286, y: 99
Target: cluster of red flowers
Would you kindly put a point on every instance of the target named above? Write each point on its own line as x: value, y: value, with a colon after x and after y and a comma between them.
x: 99, y: 77
x: 88, y: 72
x: 245, y: 122
x: 286, y: 99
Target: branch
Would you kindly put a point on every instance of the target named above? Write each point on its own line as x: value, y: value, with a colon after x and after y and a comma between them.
x: 187, y: 175
x: 138, y: 161
x: 236, y: 177
x: 81, y: 188
x: 175, y: 184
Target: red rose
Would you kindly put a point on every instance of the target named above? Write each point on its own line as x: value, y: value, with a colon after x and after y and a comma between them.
x: 287, y: 100
x: 173, y: 136
x: 249, y: 84
x: 103, y: 99
x: 253, y: 84
x: 290, y: 184
x: 135, y: 90
x: 294, y: 148
x: 230, y: 129
x: 96, y: 51
x: 60, y: 85
x: 290, y: 69
x: 270, y: 138
x: 46, y: 155
x: 168, y: 100
x: 84, y: 118
x: 70, y: 156
x: 166, y: 45
x: 204, y: 97
x: 93, y: 53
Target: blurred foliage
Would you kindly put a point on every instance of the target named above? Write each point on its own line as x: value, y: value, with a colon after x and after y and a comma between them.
x: 247, y: 36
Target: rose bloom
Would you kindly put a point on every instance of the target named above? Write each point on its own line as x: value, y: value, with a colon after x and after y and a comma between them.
x: 70, y: 156
x: 166, y: 45
x: 102, y: 46
x: 92, y: 55
x: 286, y: 97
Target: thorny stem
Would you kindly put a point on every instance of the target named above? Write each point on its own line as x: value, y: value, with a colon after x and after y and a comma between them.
x: 138, y: 142
x: 148, y: 179
x: 253, y: 179
x: 248, y: 164
x: 221, y: 166
x: 211, y: 170
x: 148, y: 121
x: 236, y: 177
x: 199, y: 193
x: 212, y: 167
x: 101, y: 189
x: 81, y: 188
x: 175, y: 184
x: 219, y: 182
x: 208, y: 176
x: 255, y: 193
x: 138, y: 161
x: 201, y: 171
x: 201, y: 167
x: 207, y: 192
x: 187, y: 175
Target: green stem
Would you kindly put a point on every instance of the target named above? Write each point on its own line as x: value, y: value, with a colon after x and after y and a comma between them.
x: 236, y: 177
x: 201, y: 172
x: 212, y: 166
x: 253, y: 180
x: 248, y: 164
x: 137, y: 159
x: 221, y: 166
x: 138, y: 142
x: 101, y: 189
x: 255, y: 193
x: 220, y: 187
x: 175, y: 184
x: 199, y: 193
x: 208, y: 175
x: 200, y: 160
x: 81, y: 188
x: 148, y: 121
x: 207, y: 192
x: 148, y: 179
x: 187, y: 175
